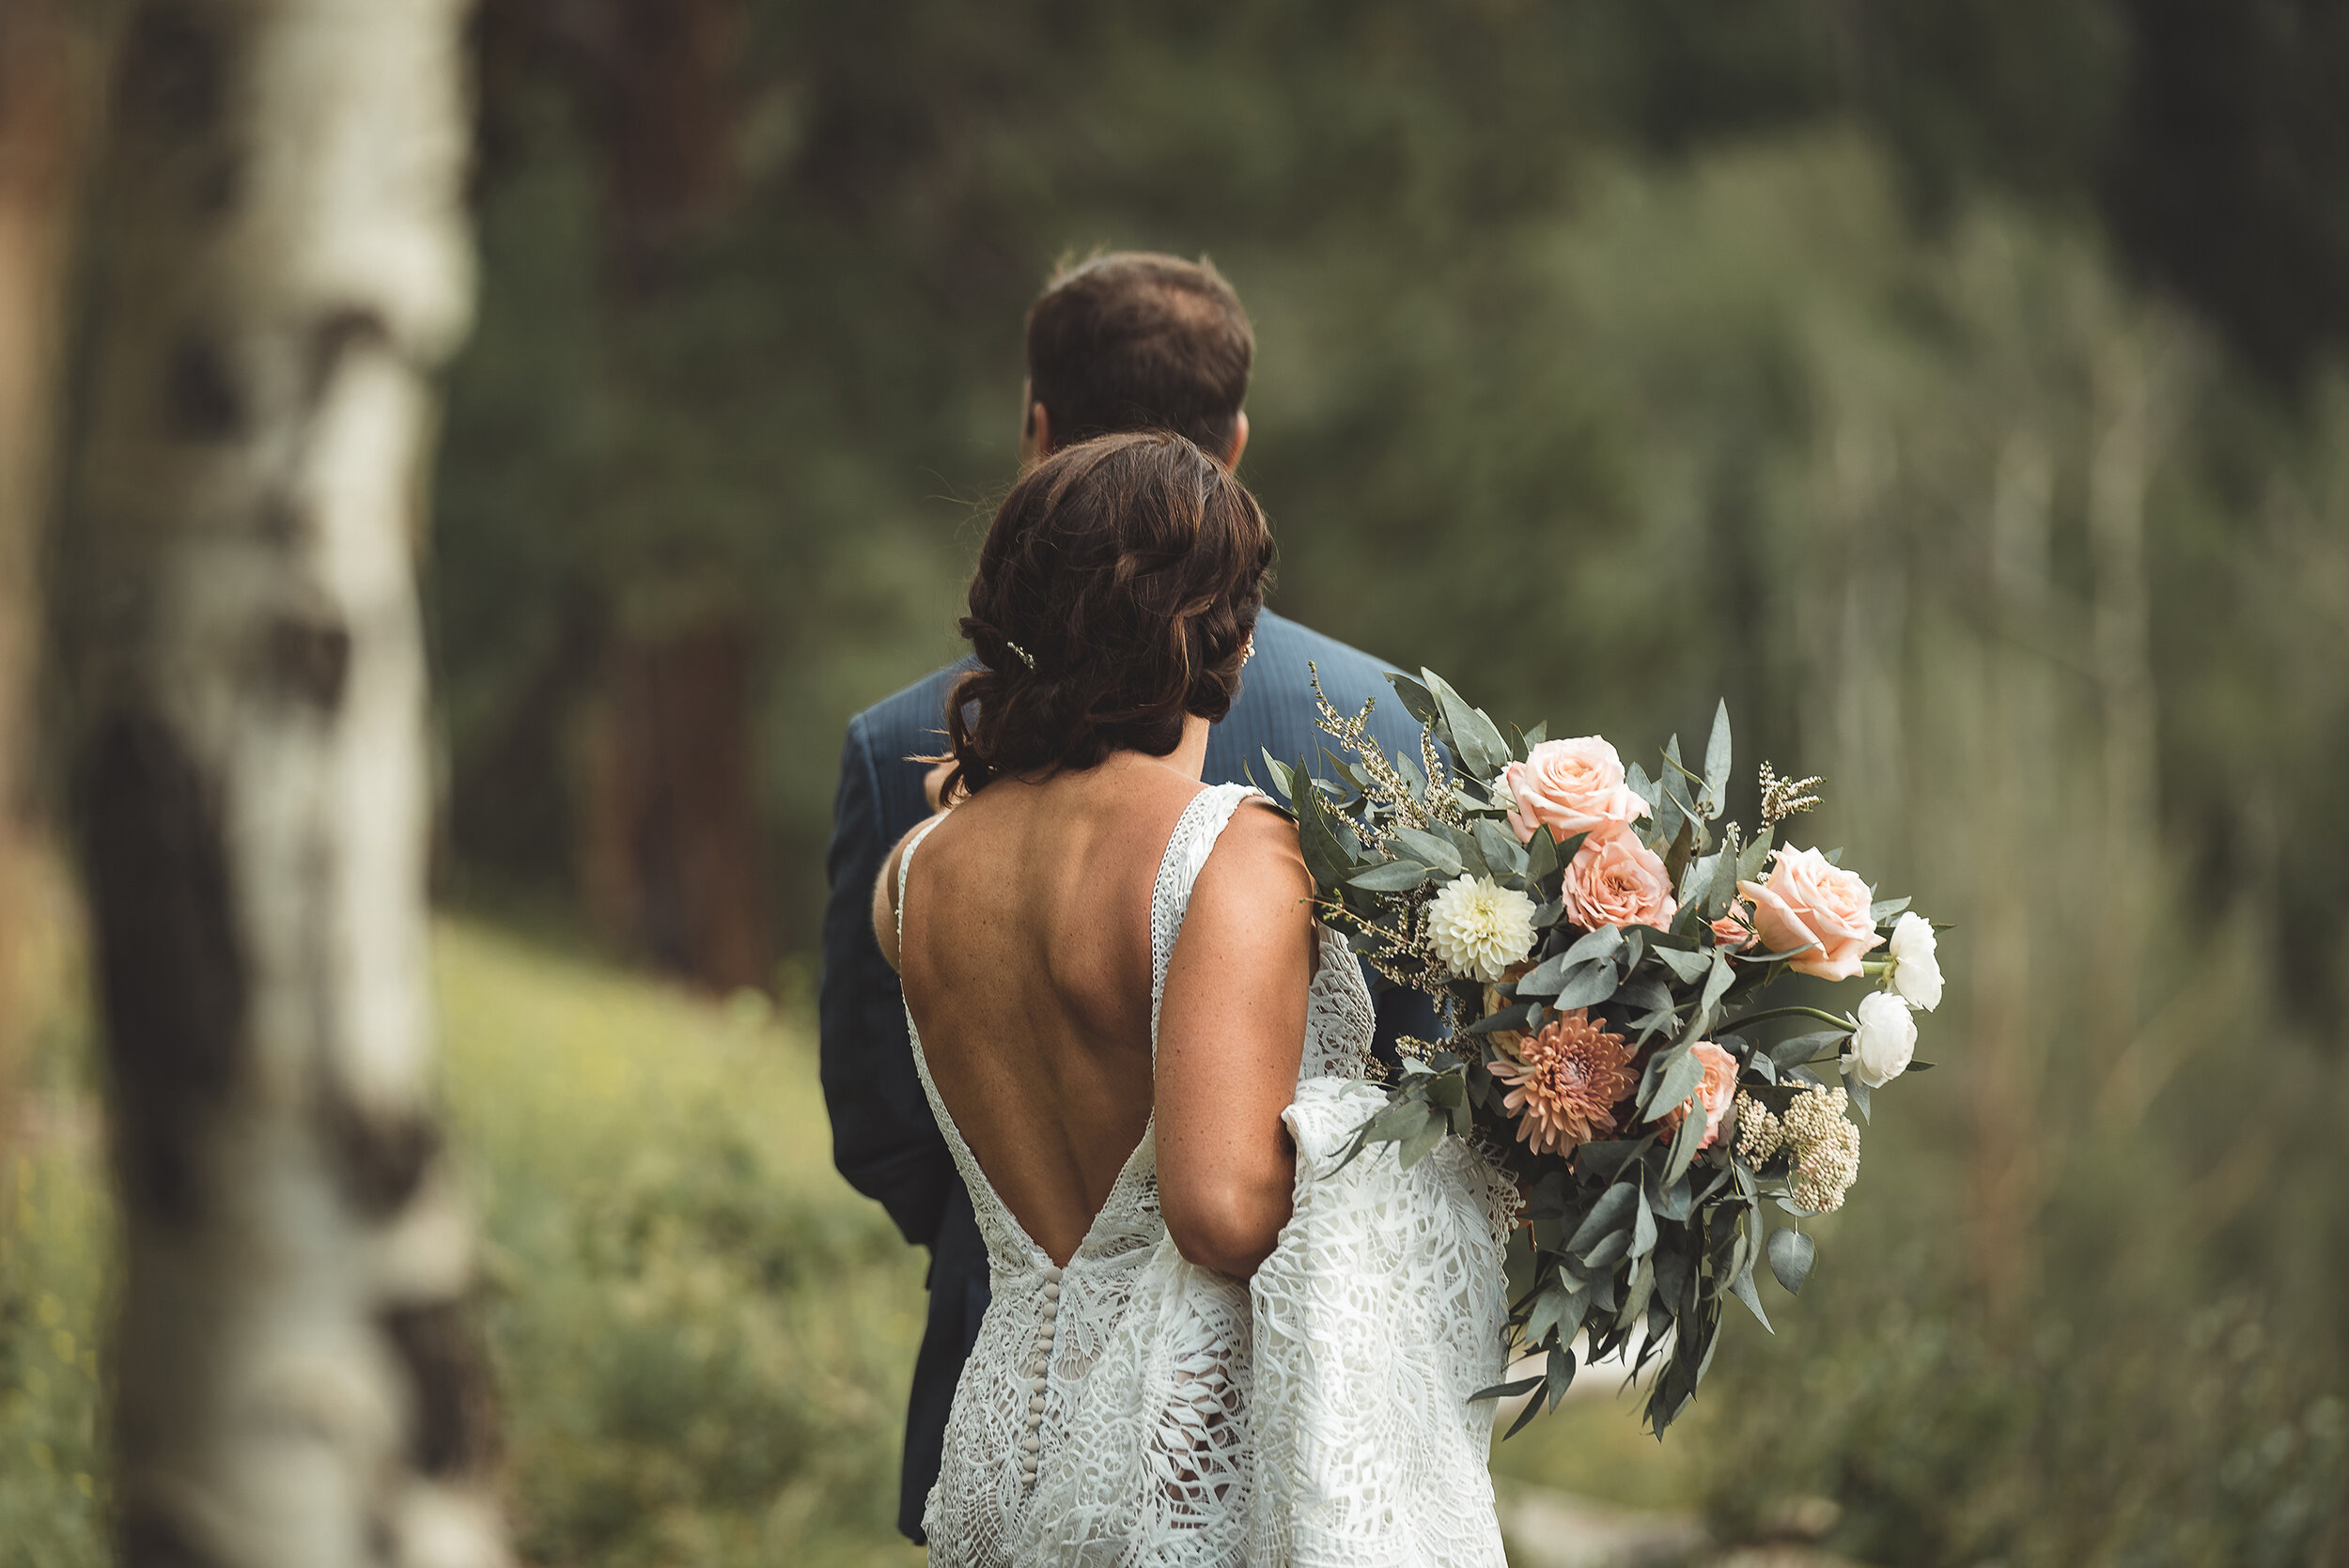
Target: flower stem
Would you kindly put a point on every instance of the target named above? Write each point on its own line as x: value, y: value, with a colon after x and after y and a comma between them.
x: 1788, y: 1013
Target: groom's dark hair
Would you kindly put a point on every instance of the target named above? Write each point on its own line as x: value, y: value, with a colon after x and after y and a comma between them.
x: 1115, y: 593
x: 1131, y: 340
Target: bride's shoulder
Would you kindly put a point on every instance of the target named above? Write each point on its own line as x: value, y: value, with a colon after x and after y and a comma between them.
x: 1259, y: 844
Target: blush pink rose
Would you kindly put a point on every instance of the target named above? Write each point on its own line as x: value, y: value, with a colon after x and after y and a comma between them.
x: 1571, y: 786
x: 1816, y: 909
x: 1715, y: 1093
x: 1732, y: 932
x: 1614, y: 879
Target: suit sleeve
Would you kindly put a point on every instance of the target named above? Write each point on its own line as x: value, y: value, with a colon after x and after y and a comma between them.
x: 884, y: 1138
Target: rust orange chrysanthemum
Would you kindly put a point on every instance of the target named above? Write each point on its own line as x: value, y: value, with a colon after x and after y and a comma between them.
x: 1565, y: 1081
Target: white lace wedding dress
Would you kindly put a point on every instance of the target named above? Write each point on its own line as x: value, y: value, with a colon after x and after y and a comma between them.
x: 1133, y: 1408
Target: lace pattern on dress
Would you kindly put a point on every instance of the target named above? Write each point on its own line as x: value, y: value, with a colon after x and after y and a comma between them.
x: 1103, y: 1418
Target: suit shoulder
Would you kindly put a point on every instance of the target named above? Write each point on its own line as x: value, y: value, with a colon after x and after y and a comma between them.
x: 909, y: 719
x: 1350, y: 676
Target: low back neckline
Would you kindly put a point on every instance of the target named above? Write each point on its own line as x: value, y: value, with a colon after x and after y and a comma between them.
x: 1189, y: 843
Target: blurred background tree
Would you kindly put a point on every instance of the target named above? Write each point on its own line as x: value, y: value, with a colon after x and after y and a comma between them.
x: 1956, y: 387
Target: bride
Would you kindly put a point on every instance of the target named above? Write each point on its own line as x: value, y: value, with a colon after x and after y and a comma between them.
x: 1213, y: 1340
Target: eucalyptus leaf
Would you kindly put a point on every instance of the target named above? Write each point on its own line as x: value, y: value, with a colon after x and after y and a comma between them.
x: 1417, y: 700
x: 1500, y: 847
x: 1544, y: 978
x: 1610, y: 1213
x: 1586, y: 986
x: 1858, y: 1089
x: 1430, y: 1133
x: 1646, y: 991
x: 1696, y: 882
x: 1685, y: 1142
x: 1723, y: 889
x: 1471, y: 858
x: 1689, y: 966
x: 1635, y: 1299
x: 1517, y: 1014
x: 1717, y: 981
x: 1283, y: 780
x: 1791, y: 1256
x: 1643, y: 1228
x: 1742, y: 1288
x: 1679, y: 1073
x: 1606, y: 1159
x: 1324, y: 857
x: 1608, y: 1251
x: 1548, y: 1309
x: 1431, y: 849
x: 1541, y: 854
x: 1393, y: 876
x: 1476, y: 741
x: 1509, y: 1390
x: 1796, y: 1050
x: 1595, y: 944
x: 1716, y: 763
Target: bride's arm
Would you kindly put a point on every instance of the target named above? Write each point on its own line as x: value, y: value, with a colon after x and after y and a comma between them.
x: 1230, y: 1036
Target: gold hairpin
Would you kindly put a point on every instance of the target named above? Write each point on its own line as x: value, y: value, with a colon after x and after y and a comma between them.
x: 1025, y: 657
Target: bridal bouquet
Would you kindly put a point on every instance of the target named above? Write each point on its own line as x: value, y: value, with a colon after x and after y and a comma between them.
x: 1595, y: 941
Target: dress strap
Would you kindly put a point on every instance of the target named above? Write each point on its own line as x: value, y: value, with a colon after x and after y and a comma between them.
x: 1186, y: 850
x: 905, y: 863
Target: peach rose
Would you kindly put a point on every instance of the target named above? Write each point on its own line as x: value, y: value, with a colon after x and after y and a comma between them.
x: 1816, y: 909
x: 1715, y: 1092
x: 1614, y: 879
x: 1572, y: 787
x: 1732, y: 932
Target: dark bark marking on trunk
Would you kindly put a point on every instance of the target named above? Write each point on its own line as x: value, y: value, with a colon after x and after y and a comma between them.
x: 308, y: 661
x: 381, y: 1159
x: 337, y: 334
x: 220, y: 186
x: 200, y: 396
x: 284, y: 522
x: 171, y: 978
x: 454, y: 1434
x: 146, y: 1539
x: 175, y: 69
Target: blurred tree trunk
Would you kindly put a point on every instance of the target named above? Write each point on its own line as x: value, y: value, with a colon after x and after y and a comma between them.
x: 669, y: 861
x: 671, y: 866
x: 42, y: 116
x: 282, y: 261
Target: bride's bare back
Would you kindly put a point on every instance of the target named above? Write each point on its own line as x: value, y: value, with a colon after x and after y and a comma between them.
x: 1026, y: 959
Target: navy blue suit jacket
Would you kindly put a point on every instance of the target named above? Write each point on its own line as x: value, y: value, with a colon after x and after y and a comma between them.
x: 884, y: 1138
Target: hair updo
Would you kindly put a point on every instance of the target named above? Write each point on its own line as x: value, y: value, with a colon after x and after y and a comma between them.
x: 1115, y: 593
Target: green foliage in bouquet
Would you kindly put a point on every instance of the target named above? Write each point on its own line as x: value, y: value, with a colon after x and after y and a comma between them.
x: 1596, y: 991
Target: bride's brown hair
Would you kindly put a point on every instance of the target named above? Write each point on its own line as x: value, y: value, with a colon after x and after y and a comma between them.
x: 1115, y: 593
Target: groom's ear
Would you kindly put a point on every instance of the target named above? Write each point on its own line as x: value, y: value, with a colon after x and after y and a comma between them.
x: 1239, y: 440
x: 1036, y: 435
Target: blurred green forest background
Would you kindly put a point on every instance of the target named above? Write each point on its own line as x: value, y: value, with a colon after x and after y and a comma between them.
x: 1955, y: 387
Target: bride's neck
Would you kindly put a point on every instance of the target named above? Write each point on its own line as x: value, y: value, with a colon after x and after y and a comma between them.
x: 1189, y: 758
x: 1190, y: 755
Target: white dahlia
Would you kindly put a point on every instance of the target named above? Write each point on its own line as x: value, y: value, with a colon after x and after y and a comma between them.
x: 1479, y: 927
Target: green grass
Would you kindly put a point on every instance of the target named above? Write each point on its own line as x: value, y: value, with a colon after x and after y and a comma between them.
x: 703, y: 1337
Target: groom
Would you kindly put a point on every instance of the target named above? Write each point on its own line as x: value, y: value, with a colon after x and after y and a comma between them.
x: 1125, y: 341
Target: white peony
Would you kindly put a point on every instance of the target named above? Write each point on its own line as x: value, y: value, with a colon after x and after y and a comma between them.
x: 1886, y: 1039
x: 1916, y: 963
x: 1480, y: 928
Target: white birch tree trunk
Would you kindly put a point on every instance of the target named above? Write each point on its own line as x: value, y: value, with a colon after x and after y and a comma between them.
x: 282, y: 263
